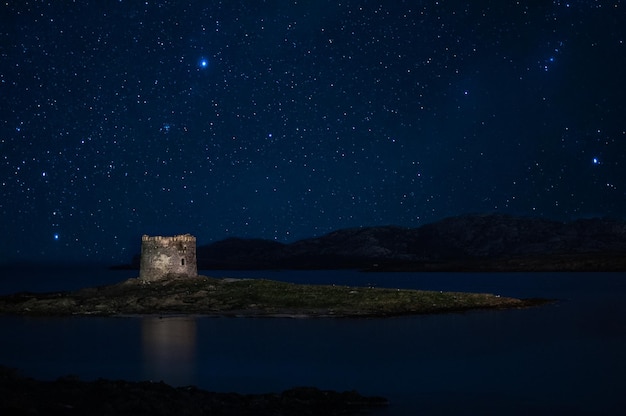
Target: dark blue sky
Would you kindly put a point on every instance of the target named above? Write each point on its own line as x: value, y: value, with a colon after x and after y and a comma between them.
x: 289, y: 119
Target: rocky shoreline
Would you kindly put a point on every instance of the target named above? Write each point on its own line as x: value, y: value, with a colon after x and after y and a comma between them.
x: 203, y: 295
x: 70, y: 396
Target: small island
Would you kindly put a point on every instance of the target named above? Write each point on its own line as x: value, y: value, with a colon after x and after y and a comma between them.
x: 168, y: 283
x: 202, y: 295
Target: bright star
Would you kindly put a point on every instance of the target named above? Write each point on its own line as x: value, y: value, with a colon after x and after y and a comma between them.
x: 596, y: 161
x: 203, y: 63
x: 56, y: 237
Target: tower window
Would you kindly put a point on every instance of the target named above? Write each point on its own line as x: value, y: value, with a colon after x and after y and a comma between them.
x: 182, y: 262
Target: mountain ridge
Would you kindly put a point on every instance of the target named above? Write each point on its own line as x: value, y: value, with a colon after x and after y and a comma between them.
x: 481, y: 242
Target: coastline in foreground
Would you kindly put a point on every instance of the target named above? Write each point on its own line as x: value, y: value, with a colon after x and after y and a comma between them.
x: 250, y: 298
x: 70, y: 396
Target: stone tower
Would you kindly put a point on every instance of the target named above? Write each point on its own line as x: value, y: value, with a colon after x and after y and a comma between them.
x: 168, y: 257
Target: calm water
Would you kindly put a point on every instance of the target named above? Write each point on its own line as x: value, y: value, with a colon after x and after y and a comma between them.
x: 566, y: 358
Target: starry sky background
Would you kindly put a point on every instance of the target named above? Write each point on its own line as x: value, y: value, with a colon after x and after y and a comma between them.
x: 289, y: 119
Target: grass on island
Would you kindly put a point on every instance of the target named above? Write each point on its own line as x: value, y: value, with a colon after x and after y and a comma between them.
x: 248, y: 297
x: 268, y: 295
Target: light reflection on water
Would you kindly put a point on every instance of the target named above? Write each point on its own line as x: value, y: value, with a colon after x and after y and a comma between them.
x: 566, y: 358
x: 169, y: 349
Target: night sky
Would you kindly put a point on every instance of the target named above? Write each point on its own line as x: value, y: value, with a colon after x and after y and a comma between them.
x: 285, y: 120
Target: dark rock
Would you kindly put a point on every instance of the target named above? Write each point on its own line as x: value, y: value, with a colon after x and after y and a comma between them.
x: 70, y: 396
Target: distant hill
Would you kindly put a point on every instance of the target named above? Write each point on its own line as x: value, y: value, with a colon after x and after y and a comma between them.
x: 471, y: 242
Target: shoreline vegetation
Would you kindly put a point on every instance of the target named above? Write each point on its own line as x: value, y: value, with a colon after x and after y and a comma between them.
x: 258, y: 298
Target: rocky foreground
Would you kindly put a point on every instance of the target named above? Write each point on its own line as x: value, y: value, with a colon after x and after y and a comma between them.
x: 249, y: 298
x: 69, y: 396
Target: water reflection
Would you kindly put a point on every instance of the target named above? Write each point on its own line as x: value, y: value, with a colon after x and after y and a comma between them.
x: 169, y: 350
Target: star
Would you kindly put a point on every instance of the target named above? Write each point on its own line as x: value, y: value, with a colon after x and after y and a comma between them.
x: 342, y: 130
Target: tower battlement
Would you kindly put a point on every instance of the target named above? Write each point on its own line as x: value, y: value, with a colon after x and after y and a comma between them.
x: 163, y: 239
x: 166, y: 257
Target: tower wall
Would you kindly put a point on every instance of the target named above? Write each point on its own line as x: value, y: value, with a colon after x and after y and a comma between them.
x: 168, y: 257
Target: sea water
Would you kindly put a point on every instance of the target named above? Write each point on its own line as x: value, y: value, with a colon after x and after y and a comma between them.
x: 564, y: 358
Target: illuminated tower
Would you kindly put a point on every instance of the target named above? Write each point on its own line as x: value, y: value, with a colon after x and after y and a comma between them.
x: 168, y: 257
